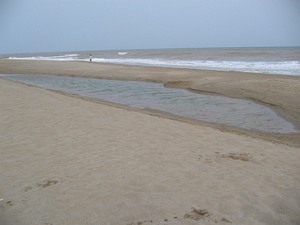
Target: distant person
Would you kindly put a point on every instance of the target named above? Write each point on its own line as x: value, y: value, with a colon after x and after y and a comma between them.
x: 90, y: 58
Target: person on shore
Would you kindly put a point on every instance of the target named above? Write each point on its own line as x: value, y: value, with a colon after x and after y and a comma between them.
x: 90, y: 58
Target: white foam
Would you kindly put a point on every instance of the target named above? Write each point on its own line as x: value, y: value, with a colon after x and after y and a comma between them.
x: 66, y: 57
x: 286, y: 67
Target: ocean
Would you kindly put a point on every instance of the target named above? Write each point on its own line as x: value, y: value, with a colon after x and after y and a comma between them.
x: 284, y: 61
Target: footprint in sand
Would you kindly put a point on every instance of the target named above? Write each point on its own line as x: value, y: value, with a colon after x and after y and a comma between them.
x: 236, y: 156
x: 203, y: 214
x: 47, y: 183
x: 43, y: 184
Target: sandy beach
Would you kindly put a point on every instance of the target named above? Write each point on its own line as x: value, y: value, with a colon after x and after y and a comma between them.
x: 69, y: 160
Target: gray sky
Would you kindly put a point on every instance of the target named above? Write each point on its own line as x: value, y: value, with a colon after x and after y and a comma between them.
x: 71, y: 25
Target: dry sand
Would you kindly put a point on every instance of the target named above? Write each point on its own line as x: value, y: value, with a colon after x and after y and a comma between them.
x: 66, y: 160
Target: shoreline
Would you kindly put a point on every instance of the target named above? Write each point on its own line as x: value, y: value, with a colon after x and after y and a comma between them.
x: 278, y: 92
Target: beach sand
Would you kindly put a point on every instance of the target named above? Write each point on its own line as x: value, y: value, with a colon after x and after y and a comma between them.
x: 69, y: 160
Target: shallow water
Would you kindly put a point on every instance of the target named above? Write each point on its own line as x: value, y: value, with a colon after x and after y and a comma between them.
x: 215, y: 109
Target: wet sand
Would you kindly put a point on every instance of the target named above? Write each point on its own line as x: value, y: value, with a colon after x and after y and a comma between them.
x: 69, y: 160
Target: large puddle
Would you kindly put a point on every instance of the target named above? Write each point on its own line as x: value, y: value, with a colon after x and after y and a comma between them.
x: 144, y: 95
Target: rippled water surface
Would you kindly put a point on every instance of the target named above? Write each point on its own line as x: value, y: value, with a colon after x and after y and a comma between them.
x: 216, y: 109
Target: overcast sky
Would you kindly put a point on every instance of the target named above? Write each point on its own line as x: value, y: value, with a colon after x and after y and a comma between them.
x: 71, y: 25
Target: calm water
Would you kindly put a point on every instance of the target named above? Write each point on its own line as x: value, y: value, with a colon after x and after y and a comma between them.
x: 215, y: 109
x: 285, y: 61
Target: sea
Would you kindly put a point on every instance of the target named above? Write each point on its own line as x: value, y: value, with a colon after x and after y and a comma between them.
x: 279, y: 60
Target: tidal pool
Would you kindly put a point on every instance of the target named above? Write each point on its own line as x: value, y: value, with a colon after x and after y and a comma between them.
x: 145, y: 95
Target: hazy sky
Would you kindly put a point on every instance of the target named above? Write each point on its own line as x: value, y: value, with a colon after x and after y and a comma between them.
x: 70, y: 25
